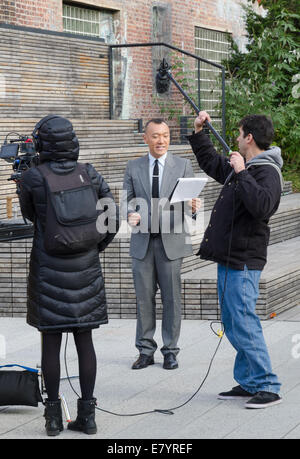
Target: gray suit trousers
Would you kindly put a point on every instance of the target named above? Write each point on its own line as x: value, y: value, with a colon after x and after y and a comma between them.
x: 153, y: 271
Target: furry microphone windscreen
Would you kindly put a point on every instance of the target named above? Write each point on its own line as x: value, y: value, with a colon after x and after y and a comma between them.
x: 162, y: 80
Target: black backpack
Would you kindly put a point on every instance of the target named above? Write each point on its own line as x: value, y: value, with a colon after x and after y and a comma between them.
x: 71, y: 211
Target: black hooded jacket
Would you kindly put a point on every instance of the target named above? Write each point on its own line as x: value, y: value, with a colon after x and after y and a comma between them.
x: 64, y: 293
x: 238, y: 231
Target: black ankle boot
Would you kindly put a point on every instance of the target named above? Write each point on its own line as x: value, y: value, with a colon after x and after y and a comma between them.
x: 53, y: 415
x: 85, y: 421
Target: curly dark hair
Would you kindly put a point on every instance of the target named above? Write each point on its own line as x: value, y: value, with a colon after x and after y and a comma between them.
x: 261, y: 128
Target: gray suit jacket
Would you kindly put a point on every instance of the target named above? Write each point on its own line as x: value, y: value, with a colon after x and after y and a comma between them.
x: 137, y: 198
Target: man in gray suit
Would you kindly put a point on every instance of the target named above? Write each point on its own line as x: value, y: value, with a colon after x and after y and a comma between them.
x: 159, y: 241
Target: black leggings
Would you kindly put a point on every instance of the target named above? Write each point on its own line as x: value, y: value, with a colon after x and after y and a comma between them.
x: 86, y: 360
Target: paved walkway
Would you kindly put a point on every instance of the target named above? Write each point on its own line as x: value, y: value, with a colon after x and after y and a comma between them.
x: 122, y: 390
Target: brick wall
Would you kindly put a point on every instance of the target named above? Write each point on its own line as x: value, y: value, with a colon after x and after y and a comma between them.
x: 42, y: 14
x: 137, y: 26
x: 134, y: 23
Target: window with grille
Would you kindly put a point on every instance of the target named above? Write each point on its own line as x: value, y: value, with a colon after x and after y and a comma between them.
x: 88, y: 21
x: 213, y: 46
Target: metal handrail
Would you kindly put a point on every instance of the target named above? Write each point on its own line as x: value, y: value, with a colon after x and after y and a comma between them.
x: 187, y: 53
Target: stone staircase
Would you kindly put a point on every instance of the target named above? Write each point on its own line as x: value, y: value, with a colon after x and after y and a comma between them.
x: 95, y: 138
x: 280, y: 280
x: 279, y: 285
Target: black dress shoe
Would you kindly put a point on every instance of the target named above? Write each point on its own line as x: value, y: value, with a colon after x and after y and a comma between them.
x: 170, y: 362
x: 143, y: 361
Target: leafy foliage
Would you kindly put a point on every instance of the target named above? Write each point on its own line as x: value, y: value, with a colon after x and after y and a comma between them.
x: 266, y: 78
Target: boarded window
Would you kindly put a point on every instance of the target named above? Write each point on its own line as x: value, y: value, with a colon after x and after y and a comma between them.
x: 161, y: 32
x: 213, y: 46
x: 89, y: 22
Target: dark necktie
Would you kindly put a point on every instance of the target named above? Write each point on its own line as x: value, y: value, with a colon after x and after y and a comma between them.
x: 155, y: 196
x: 155, y: 180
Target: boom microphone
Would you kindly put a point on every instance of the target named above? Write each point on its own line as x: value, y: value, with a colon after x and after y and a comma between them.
x: 162, y: 81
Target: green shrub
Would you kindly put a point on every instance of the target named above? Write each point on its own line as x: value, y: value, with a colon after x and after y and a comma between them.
x: 265, y: 79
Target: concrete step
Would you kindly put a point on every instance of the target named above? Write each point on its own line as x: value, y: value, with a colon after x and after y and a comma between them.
x: 212, y: 190
x: 111, y: 162
x: 285, y: 224
x: 92, y: 134
x: 96, y: 139
x: 279, y: 284
x: 197, y: 301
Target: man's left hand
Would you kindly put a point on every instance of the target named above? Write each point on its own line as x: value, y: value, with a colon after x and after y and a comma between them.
x: 195, y: 204
x: 237, y: 162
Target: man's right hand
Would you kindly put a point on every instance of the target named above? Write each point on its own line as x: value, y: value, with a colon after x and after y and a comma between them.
x: 134, y: 219
x: 200, y: 120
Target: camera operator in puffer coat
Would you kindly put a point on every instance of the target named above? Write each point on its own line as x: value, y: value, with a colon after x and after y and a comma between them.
x: 65, y: 293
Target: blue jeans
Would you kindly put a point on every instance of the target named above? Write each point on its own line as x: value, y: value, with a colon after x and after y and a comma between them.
x: 252, y: 368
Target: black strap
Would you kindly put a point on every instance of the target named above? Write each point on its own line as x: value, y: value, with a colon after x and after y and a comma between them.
x: 42, y: 121
x: 62, y: 182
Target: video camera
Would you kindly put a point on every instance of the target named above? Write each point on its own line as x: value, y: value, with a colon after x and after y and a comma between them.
x: 20, y: 152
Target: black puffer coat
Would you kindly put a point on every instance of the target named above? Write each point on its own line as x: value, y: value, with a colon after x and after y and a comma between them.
x: 64, y: 293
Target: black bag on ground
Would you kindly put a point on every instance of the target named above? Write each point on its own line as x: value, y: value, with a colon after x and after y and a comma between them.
x: 71, y: 211
x: 19, y: 387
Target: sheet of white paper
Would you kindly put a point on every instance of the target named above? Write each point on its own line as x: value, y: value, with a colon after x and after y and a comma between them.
x: 188, y: 188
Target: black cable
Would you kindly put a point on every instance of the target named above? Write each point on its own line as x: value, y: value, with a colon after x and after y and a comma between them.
x: 66, y: 366
x: 100, y: 409
x: 169, y: 411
